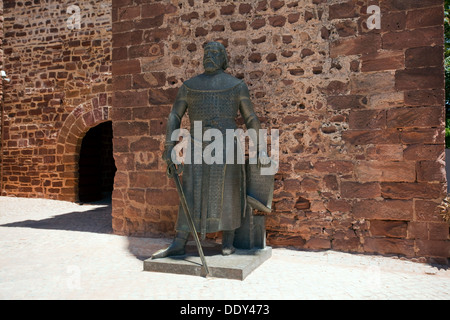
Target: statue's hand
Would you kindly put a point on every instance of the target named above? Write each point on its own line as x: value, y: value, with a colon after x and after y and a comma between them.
x: 263, y: 160
x: 172, y: 167
x: 167, y: 154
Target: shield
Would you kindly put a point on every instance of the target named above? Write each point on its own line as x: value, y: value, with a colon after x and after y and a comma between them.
x: 252, y: 232
x: 259, y: 188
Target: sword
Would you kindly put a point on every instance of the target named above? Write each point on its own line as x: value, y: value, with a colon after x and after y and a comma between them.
x: 172, y: 172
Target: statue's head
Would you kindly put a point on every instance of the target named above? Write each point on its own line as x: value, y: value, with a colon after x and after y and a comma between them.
x: 215, y: 57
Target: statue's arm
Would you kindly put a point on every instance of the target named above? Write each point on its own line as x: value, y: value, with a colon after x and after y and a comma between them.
x: 174, y: 121
x: 246, y: 109
x: 250, y: 118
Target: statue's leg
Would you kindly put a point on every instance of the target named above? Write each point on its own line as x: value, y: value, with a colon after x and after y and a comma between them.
x: 227, y: 242
x: 177, y: 247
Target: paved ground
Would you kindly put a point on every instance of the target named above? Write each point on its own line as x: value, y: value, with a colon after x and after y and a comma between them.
x: 61, y: 250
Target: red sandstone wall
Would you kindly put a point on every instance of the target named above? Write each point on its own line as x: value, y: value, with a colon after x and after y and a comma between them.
x: 60, y: 87
x: 360, y: 114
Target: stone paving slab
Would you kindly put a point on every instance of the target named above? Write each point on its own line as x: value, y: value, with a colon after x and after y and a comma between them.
x: 61, y: 250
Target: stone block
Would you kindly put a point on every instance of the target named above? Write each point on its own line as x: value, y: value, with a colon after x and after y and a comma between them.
x: 424, y: 152
x: 386, y: 171
x: 433, y: 248
x: 227, y: 10
x: 131, y: 128
x: 389, y: 60
x: 396, y: 5
x: 424, y: 57
x: 372, y: 82
x: 367, y: 119
x: 422, y: 136
x: 343, y: 10
x: 124, y: 67
x: 409, y: 190
x: 419, y: 78
x: 428, y: 171
x: 353, y: 102
x: 365, y: 44
x: 430, y: 97
x: 425, y: 17
x: 357, y: 190
x: 387, y: 228
x: 393, y: 21
x: 130, y: 99
x: 379, y: 137
x: 413, y: 38
x: 389, y: 246
x: 384, y: 210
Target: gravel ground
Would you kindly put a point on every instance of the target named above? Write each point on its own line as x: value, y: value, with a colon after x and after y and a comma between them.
x: 61, y: 250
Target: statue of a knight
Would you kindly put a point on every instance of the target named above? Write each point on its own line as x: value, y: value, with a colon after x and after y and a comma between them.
x: 215, y: 193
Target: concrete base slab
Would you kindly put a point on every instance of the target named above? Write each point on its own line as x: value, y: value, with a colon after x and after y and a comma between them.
x: 236, y: 266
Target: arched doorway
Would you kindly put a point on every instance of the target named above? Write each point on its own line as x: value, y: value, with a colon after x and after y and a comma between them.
x: 96, y: 167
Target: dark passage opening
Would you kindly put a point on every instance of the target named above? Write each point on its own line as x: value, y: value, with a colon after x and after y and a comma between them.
x: 96, y: 164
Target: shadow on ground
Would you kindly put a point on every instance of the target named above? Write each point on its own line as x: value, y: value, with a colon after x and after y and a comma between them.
x: 97, y: 220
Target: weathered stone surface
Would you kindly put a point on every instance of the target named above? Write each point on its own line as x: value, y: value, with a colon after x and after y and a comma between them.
x: 386, y: 171
x: 392, y: 229
x: 384, y: 210
x: 419, y: 78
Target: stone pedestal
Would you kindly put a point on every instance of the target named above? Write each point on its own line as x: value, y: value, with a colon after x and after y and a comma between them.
x: 236, y: 266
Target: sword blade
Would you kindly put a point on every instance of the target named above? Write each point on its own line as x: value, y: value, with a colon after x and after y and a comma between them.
x: 173, y: 172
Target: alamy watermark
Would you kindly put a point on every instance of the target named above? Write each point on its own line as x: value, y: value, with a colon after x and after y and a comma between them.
x: 74, y: 21
x: 374, y: 21
x: 76, y: 13
x: 228, y: 147
x: 73, y: 280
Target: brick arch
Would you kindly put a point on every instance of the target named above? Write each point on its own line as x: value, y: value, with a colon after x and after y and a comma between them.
x: 84, y: 117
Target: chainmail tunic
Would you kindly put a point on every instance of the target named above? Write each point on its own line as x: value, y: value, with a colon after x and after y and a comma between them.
x: 214, y: 192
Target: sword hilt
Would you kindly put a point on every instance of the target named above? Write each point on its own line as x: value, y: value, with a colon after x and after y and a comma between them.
x: 172, y: 168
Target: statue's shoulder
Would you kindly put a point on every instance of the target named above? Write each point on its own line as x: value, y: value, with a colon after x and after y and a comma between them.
x: 192, y: 83
x: 231, y: 80
x: 221, y: 81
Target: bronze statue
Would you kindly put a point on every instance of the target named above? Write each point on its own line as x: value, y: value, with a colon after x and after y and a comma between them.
x: 215, y: 193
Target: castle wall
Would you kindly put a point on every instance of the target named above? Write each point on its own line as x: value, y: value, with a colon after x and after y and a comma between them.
x: 360, y: 114
x: 60, y: 87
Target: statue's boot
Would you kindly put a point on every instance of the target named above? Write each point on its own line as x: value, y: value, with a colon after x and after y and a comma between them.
x: 227, y: 242
x: 177, y: 248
